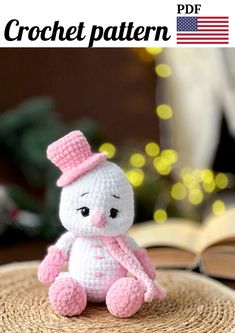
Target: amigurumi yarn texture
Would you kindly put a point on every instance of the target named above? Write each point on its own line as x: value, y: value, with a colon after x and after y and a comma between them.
x: 96, y: 209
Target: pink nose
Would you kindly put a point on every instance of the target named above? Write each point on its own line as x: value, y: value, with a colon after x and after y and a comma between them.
x: 98, y: 220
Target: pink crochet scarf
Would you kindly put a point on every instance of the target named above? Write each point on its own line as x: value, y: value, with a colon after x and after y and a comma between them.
x: 120, y: 250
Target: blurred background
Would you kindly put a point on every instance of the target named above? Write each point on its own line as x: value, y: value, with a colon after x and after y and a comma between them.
x: 164, y: 115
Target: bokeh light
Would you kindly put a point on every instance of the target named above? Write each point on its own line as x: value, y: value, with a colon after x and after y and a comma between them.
x: 160, y: 215
x: 108, y: 148
x: 135, y: 176
x: 185, y: 171
x: 218, y: 207
x: 164, y: 111
x: 189, y: 179
x: 163, y: 70
x: 196, y: 173
x: 154, y: 50
x: 162, y: 166
x: 137, y: 160
x: 170, y: 155
x: 209, y: 187
x: 178, y: 191
x: 206, y: 175
x: 195, y: 196
x: 221, y: 181
x: 152, y: 149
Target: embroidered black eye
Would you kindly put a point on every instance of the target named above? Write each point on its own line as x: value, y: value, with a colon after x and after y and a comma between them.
x: 84, y: 211
x: 113, y: 213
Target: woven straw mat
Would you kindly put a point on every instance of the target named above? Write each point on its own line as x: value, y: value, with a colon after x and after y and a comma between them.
x: 194, y: 304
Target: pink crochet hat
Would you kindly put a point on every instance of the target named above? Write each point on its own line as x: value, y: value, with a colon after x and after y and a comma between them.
x: 72, y: 155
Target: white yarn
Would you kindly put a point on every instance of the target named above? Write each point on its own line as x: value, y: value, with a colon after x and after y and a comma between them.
x: 90, y: 262
x: 100, y: 184
x: 65, y: 241
x: 96, y: 275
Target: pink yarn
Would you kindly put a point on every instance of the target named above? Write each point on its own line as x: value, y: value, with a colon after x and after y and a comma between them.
x: 160, y: 292
x: 142, y: 256
x: 67, y: 297
x: 120, y: 250
x: 51, y: 265
x: 72, y: 155
x: 99, y: 257
x: 98, y: 274
x: 125, y: 297
x: 98, y: 220
x: 96, y: 210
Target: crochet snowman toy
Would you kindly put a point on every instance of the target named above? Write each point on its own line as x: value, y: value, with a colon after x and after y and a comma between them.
x: 97, y: 209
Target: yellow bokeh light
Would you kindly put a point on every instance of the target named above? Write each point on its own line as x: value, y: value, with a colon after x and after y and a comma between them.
x: 189, y: 180
x: 218, y: 207
x: 163, y: 70
x: 162, y: 166
x: 196, y: 173
x: 135, y: 176
x: 170, y: 155
x: 137, y: 160
x: 185, y: 171
x: 154, y: 50
x: 164, y: 111
x: 206, y: 175
x: 221, y: 181
x: 152, y: 149
x: 195, y: 196
x: 108, y: 148
x: 160, y: 215
x: 209, y: 187
x: 178, y: 191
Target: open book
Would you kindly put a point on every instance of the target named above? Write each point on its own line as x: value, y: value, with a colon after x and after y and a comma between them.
x: 183, y: 243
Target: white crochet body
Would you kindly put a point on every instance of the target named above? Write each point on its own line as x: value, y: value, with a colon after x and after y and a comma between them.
x: 102, y: 189
x: 91, y: 264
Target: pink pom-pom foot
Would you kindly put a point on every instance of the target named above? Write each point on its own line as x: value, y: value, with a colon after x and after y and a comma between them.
x: 125, y: 297
x: 67, y: 297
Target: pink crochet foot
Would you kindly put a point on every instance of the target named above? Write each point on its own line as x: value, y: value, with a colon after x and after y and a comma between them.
x: 125, y: 297
x: 67, y: 297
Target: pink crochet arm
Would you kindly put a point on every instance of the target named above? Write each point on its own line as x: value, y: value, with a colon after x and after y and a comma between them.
x: 51, y: 265
x: 57, y: 254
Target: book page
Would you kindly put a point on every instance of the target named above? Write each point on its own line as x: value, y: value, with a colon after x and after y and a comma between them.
x: 219, y: 261
x: 175, y: 233
x: 218, y: 229
x: 165, y: 257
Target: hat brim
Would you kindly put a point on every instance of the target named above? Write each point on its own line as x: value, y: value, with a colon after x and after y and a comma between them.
x: 74, y: 173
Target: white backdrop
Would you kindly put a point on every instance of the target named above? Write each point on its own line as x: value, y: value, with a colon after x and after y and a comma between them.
x: 201, y: 87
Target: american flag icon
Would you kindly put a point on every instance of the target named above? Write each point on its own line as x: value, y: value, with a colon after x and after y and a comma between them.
x: 202, y: 30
